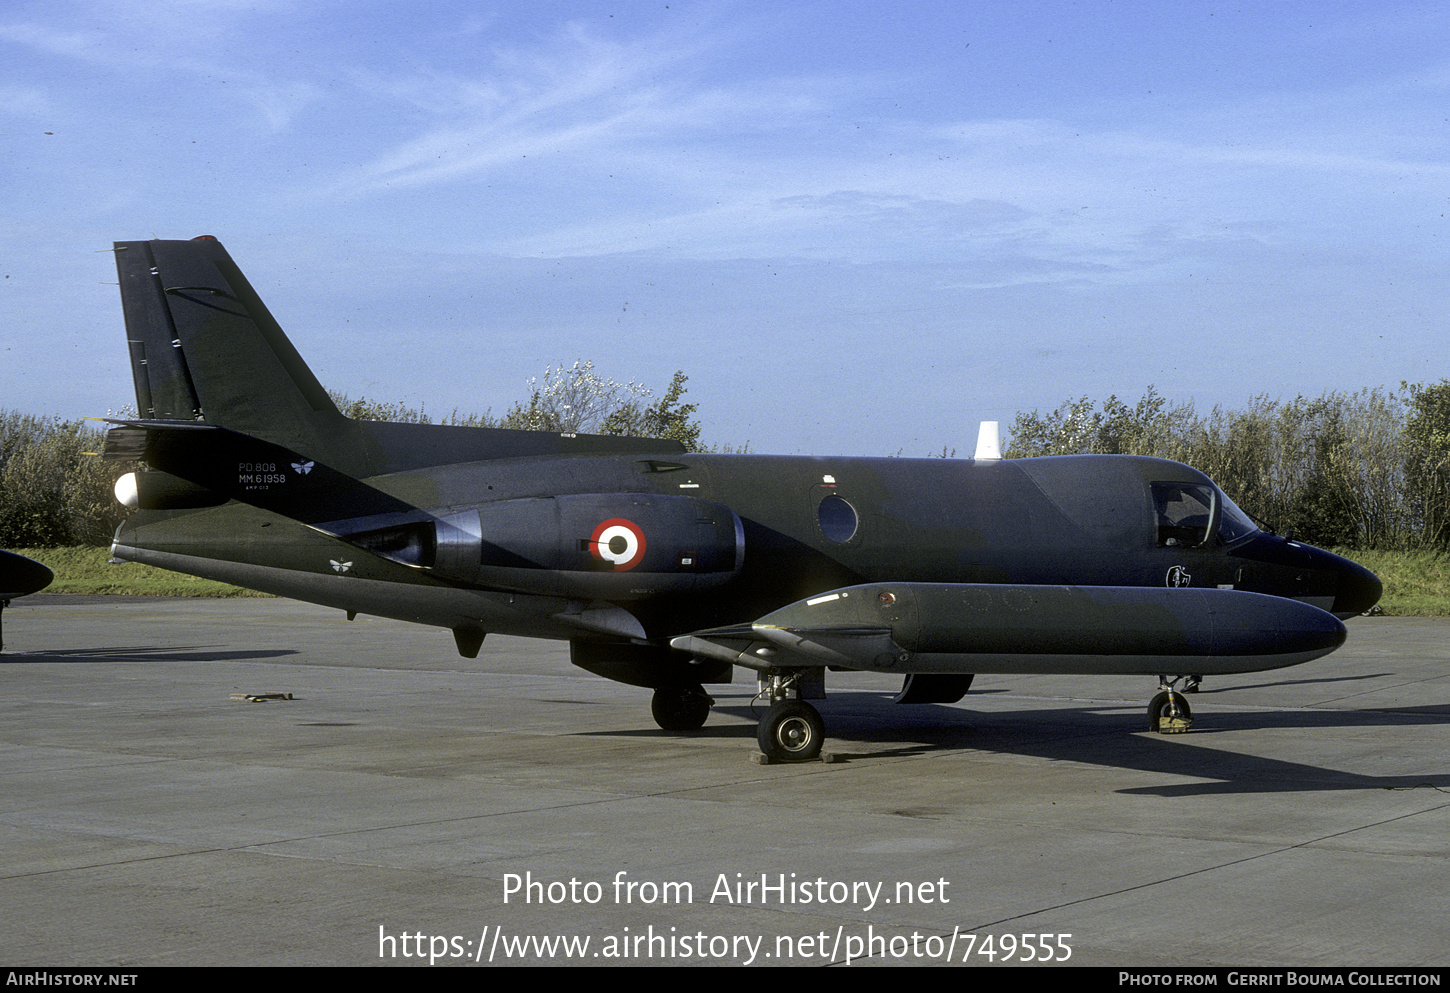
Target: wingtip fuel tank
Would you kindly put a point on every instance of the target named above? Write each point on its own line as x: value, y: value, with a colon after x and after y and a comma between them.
x: 989, y: 628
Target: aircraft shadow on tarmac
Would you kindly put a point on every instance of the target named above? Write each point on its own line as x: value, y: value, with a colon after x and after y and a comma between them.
x: 149, y: 653
x: 1100, y: 734
x: 1317, y: 681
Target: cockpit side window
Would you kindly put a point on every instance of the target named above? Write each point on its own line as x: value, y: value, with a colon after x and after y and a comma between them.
x: 1184, y: 510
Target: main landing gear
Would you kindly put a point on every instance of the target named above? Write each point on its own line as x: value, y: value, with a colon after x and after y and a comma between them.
x: 1169, y: 712
x: 681, y: 708
x: 791, y: 730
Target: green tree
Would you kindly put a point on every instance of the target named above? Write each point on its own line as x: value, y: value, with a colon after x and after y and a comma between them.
x: 53, y: 489
x: 572, y: 400
x: 363, y: 409
x: 568, y: 399
x: 667, y: 417
x: 1427, y: 459
x: 1333, y: 469
x: 1150, y: 427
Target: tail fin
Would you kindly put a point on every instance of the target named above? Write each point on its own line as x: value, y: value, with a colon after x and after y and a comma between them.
x: 204, y: 347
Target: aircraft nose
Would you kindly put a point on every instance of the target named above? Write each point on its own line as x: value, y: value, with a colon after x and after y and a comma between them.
x: 1357, y: 590
x: 1280, y: 567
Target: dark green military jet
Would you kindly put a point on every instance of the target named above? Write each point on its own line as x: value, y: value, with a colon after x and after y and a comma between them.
x: 666, y: 569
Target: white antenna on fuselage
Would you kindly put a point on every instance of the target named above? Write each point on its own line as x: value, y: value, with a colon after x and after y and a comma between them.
x: 989, y: 446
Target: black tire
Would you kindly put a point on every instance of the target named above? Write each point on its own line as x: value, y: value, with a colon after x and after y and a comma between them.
x: 1160, y: 711
x: 791, y: 731
x: 680, y: 708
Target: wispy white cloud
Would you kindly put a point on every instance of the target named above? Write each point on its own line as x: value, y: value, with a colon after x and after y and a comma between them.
x: 120, y: 33
x: 192, y: 44
x: 577, y: 95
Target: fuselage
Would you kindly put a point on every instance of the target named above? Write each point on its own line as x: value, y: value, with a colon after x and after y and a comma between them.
x: 800, y: 526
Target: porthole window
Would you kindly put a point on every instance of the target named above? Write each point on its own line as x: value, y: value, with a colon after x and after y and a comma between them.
x: 837, y: 518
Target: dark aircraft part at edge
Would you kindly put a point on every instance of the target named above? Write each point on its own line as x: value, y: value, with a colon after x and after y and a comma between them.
x: 667, y: 569
x: 930, y: 687
x: 19, y: 576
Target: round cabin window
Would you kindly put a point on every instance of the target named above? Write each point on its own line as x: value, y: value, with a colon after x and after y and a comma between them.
x: 837, y: 518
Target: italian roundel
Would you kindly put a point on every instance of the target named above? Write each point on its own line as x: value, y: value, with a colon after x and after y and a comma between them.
x: 618, y: 542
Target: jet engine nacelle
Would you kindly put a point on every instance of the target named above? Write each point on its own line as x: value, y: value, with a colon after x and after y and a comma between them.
x: 610, y: 546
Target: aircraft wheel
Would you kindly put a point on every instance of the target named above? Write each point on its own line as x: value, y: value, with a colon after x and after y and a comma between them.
x: 1160, y: 714
x: 680, y: 708
x: 791, y: 731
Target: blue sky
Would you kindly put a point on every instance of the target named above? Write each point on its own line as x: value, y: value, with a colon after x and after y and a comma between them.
x: 860, y: 228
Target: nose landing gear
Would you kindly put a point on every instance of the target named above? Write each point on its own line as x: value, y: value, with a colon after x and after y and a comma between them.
x: 1168, y: 713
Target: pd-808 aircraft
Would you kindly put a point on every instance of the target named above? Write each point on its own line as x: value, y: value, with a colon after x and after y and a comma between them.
x: 666, y: 569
